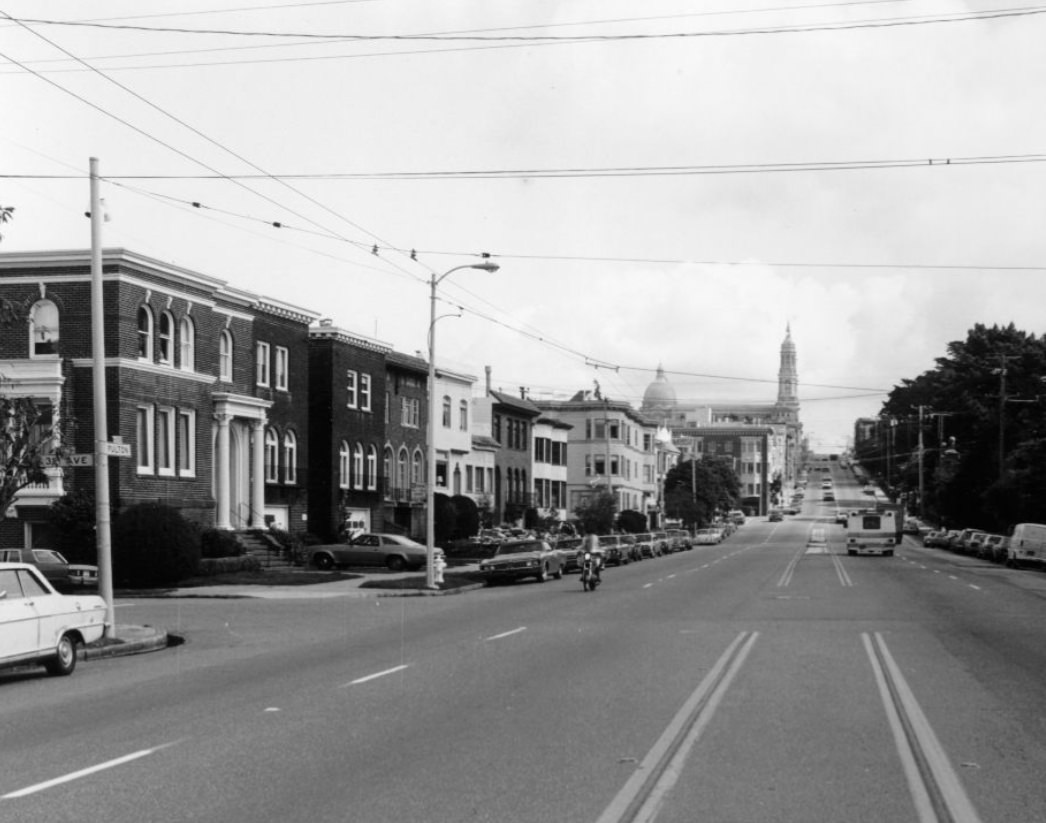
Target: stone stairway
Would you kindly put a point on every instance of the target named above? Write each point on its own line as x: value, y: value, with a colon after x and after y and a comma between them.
x: 268, y: 551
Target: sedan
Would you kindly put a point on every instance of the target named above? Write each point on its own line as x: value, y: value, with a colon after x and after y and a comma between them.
x: 39, y: 625
x: 707, y: 537
x: 394, y: 551
x: 60, y: 573
x: 518, y: 559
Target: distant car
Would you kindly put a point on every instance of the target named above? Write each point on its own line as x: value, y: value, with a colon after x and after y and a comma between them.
x: 40, y: 625
x: 569, y: 549
x: 841, y: 516
x: 519, y: 559
x: 615, y: 549
x: 60, y: 573
x: 707, y: 537
x: 911, y: 525
x: 829, y: 497
x: 680, y: 539
x: 394, y: 551
x: 791, y: 509
x: 776, y: 516
x: 645, y: 544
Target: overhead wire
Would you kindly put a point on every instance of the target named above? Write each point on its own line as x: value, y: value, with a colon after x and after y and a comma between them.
x: 197, y: 132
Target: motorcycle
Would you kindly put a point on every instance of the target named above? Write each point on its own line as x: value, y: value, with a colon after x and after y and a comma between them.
x: 589, y: 572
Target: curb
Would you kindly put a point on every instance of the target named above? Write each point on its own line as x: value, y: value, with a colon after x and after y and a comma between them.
x: 130, y: 640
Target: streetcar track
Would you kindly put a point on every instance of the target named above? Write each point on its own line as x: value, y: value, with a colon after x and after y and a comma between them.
x: 935, y: 787
x: 640, y: 799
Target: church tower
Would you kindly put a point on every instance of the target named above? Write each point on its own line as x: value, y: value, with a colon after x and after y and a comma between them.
x: 788, y: 376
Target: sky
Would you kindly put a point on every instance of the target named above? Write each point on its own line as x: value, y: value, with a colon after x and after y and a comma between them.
x: 673, y: 183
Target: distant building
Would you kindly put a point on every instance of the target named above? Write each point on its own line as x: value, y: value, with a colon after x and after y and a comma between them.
x: 763, y: 439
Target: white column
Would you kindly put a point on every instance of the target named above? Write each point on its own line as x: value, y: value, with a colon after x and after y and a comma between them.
x: 221, y: 473
x: 258, y: 475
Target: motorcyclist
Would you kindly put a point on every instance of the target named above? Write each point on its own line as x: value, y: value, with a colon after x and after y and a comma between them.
x: 590, y: 546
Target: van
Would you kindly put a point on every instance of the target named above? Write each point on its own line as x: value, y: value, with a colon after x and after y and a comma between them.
x: 1027, y: 545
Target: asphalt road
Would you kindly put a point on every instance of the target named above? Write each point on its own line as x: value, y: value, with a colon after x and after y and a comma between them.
x: 749, y: 681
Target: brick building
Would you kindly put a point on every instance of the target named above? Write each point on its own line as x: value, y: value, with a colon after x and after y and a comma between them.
x: 208, y: 384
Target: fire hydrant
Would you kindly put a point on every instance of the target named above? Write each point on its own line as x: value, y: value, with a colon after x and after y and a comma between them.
x: 439, y: 563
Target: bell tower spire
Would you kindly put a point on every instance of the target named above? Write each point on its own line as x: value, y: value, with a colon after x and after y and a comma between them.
x: 788, y: 375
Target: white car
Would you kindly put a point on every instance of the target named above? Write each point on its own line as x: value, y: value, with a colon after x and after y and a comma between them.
x: 39, y: 625
x: 707, y: 537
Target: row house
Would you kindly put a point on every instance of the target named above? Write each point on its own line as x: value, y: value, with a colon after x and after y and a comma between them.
x: 348, y: 399
x: 208, y: 385
x: 406, y: 426
x: 611, y: 446
x: 551, y: 437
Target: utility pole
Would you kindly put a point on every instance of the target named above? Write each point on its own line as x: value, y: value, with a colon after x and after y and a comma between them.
x: 922, y: 482
x: 101, y: 428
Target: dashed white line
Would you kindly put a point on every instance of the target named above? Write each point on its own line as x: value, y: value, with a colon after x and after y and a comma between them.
x: 972, y: 586
x: 109, y: 764
x: 507, y: 634
x: 376, y: 675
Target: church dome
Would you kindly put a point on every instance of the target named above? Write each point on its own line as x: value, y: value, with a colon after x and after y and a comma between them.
x: 659, y: 394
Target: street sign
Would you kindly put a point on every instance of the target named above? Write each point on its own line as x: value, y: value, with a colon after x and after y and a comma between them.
x: 71, y: 459
x: 117, y: 449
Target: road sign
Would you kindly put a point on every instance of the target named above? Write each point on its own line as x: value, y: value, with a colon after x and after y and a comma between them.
x: 117, y: 449
x: 70, y: 459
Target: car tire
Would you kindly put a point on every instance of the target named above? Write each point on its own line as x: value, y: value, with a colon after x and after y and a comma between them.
x: 394, y: 563
x: 324, y: 562
x: 543, y: 574
x: 558, y: 573
x: 888, y: 553
x: 64, y: 661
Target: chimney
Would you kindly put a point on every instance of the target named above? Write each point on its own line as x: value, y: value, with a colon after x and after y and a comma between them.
x: 488, y: 370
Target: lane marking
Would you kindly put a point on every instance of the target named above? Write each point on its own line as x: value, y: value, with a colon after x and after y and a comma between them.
x: 68, y: 778
x: 506, y: 634
x: 786, y: 578
x: 935, y: 787
x: 374, y: 676
x: 840, y: 570
x: 640, y: 799
x: 972, y: 586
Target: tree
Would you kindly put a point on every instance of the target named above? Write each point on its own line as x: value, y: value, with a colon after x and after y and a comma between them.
x: 6, y: 213
x: 466, y: 517
x: 153, y: 545
x: 632, y: 521
x: 596, y: 512
x: 696, y: 490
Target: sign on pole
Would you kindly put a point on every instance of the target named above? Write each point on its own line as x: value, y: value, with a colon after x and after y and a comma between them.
x: 117, y: 449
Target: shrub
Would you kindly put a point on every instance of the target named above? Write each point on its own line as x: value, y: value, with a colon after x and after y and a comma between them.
x: 73, y: 520
x: 219, y: 543
x: 154, y: 546
x: 210, y: 566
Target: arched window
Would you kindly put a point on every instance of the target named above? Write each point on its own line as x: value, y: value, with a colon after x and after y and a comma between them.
x: 290, y: 458
x: 372, y: 467
x: 343, y: 465
x: 166, y: 338
x: 225, y: 355
x: 446, y: 411
x: 402, y: 477
x: 145, y: 333
x: 43, y: 329
x: 187, y: 344
x: 417, y: 473
x: 386, y: 471
x: 272, y: 456
x: 357, y: 466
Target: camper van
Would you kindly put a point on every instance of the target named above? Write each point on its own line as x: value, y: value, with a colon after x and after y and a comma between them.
x: 1027, y: 545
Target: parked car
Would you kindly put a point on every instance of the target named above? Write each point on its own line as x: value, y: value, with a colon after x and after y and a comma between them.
x: 962, y: 542
x: 975, y: 544
x: 614, y: 548
x: 790, y: 509
x: 775, y: 516
x: 60, y: 573
x: 934, y: 538
x: 645, y: 544
x: 999, y: 547
x: 393, y: 551
x: 40, y: 625
x: 1027, y: 545
x: 662, y: 543
x: 680, y: 539
x: 519, y: 559
x: 842, y: 517
x: 707, y: 537
x: 569, y: 549
x: 829, y: 496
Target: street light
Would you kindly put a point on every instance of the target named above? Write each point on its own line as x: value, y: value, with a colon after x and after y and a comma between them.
x: 430, y: 496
